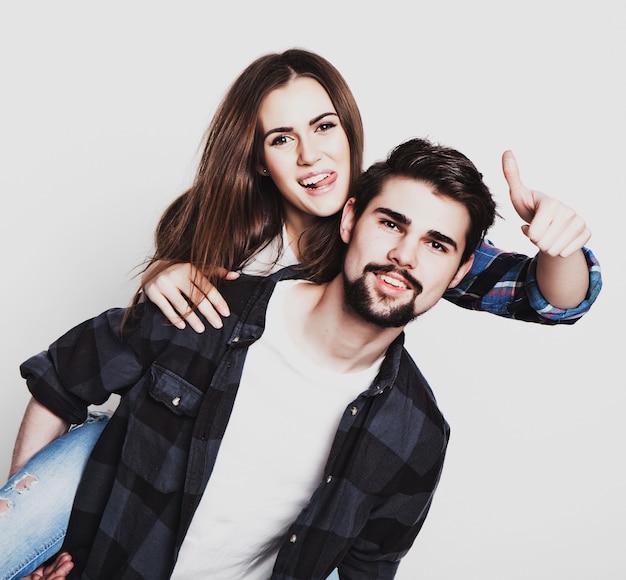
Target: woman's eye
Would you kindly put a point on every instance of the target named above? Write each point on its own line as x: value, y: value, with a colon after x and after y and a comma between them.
x: 325, y: 126
x: 280, y: 140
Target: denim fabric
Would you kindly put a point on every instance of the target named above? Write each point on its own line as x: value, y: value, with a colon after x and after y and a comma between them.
x: 40, y: 498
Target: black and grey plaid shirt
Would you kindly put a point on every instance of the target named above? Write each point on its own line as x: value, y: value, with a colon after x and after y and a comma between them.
x: 151, y: 465
x: 147, y: 472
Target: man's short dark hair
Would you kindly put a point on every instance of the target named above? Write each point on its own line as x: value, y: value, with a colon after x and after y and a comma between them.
x: 447, y: 171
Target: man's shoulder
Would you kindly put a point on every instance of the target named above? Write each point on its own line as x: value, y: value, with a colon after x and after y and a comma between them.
x: 239, y: 292
x: 414, y: 384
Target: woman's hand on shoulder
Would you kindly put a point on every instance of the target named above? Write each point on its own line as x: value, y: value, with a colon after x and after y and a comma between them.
x: 179, y: 284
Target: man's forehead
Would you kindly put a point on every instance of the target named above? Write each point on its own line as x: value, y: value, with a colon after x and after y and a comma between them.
x: 404, y: 192
x: 418, y: 202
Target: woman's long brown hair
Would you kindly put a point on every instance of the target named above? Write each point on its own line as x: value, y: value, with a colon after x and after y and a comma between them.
x: 231, y: 210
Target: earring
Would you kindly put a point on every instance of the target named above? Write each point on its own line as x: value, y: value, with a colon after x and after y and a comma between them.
x: 265, y: 171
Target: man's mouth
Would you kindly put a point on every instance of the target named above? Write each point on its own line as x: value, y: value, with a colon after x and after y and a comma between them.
x: 394, y: 277
x: 395, y: 282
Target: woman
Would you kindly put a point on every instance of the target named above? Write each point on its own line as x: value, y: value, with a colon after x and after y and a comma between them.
x: 281, y: 156
x: 267, y: 220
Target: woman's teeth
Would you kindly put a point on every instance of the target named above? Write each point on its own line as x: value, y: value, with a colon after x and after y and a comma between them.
x: 312, y: 181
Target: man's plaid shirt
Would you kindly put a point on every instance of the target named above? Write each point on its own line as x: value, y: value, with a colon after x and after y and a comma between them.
x: 147, y: 472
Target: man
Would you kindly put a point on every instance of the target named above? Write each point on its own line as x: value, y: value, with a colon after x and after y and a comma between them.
x: 300, y: 437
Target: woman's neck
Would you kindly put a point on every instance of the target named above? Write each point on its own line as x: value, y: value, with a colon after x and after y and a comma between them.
x: 295, y: 225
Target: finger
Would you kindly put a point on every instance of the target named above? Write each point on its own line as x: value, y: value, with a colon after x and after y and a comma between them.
x: 511, y: 170
x: 522, y: 197
x: 184, y: 312
x: 554, y: 226
x: 566, y: 241
x: 203, y: 303
x: 209, y: 292
x: 562, y: 238
x: 226, y: 274
x: 550, y: 214
x: 57, y: 570
x: 217, y: 300
x: 577, y: 244
x: 193, y: 320
x: 207, y: 310
x: 164, y: 305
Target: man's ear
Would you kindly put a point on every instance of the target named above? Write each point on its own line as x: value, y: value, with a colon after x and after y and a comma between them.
x: 347, y: 221
x: 460, y: 273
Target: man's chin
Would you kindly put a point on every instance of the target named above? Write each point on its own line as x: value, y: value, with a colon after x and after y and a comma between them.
x: 374, y: 307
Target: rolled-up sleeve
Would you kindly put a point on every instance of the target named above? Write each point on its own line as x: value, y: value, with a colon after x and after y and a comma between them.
x: 545, y: 309
x: 83, y: 367
x: 505, y: 284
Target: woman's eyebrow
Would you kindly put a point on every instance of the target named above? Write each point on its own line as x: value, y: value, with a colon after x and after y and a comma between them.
x: 320, y: 117
x: 316, y: 119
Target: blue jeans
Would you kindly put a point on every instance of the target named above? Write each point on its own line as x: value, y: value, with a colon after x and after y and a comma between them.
x: 35, y: 503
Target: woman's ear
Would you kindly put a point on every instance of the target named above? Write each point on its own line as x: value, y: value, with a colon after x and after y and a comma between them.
x: 261, y: 167
x: 347, y: 221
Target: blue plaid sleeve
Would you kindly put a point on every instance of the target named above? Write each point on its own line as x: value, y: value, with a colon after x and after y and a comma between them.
x: 505, y: 284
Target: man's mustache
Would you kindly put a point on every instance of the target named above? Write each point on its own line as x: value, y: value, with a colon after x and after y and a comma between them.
x: 411, y: 281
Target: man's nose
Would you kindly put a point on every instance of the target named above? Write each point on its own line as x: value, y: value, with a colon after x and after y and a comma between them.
x: 404, y: 253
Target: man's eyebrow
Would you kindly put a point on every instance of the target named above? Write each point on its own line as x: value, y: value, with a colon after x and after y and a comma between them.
x: 400, y: 218
x: 394, y: 215
x: 311, y: 123
x: 438, y: 236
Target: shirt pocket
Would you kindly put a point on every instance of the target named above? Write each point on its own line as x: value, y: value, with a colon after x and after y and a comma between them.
x: 160, y: 426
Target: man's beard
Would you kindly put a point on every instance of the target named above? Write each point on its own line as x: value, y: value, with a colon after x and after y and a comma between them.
x: 377, y: 309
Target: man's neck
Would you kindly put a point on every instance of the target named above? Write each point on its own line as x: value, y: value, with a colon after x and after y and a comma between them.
x: 333, y: 336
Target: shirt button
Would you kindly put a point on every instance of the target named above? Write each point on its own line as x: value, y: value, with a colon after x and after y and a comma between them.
x: 329, y: 479
x: 354, y: 411
x: 176, y: 401
x: 293, y: 538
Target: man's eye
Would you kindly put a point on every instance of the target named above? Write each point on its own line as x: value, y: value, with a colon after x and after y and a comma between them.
x: 391, y: 225
x: 438, y: 246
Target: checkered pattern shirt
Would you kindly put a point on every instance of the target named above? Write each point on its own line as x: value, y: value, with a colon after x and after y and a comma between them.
x: 149, y: 469
x: 505, y: 284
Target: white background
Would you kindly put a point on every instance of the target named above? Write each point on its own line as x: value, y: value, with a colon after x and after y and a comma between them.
x: 103, y: 108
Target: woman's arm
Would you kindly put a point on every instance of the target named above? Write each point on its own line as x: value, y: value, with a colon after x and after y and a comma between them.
x: 178, y: 287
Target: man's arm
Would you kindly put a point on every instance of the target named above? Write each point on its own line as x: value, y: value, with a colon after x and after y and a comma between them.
x: 559, y: 233
x: 557, y: 286
x: 39, y: 427
x: 563, y: 282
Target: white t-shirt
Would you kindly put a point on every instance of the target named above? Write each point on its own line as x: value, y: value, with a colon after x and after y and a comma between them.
x: 272, y: 457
